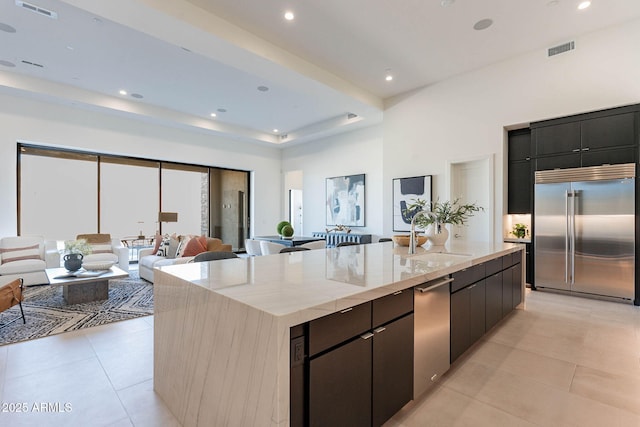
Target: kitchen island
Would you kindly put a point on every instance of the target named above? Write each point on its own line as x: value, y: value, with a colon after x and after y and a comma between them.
x: 222, y: 328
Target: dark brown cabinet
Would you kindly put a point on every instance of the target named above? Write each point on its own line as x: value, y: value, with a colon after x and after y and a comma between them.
x: 482, y: 296
x: 340, y: 386
x: 392, y: 368
x: 360, y: 364
x: 519, y: 173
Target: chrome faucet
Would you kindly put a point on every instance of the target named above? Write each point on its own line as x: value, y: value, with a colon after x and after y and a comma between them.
x: 412, y: 237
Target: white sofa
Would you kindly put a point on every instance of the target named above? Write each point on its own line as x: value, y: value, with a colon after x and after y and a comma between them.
x: 147, y: 262
x: 27, y: 257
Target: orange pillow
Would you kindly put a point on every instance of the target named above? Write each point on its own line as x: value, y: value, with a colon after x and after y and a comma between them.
x: 195, y: 246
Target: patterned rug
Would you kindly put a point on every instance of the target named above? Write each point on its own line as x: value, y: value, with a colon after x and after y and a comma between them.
x: 48, y: 314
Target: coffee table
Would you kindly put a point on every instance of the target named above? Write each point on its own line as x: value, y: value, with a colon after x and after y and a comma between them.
x: 93, y: 286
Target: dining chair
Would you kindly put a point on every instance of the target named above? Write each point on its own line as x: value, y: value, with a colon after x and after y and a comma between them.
x: 318, y: 244
x: 294, y: 249
x: 347, y: 244
x: 269, y: 248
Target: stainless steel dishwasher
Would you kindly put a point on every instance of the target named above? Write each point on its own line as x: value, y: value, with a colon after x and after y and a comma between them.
x: 432, y: 333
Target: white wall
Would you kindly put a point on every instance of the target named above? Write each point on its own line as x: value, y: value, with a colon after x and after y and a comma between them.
x: 352, y: 153
x: 27, y: 120
x: 464, y: 118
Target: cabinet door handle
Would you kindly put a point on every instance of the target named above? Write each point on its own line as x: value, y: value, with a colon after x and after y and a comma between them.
x: 473, y: 286
x: 397, y: 292
x: 380, y: 329
x: 366, y: 336
x: 585, y: 149
x: 527, y: 158
x: 346, y: 310
x: 577, y: 150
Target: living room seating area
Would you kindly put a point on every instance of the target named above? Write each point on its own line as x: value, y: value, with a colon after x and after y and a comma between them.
x: 27, y: 257
x: 173, y: 250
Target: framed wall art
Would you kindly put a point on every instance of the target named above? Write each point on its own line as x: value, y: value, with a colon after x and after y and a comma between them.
x: 405, y: 190
x: 345, y: 200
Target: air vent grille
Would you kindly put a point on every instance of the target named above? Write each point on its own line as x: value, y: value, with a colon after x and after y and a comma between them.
x: 556, y: 50
x: 37, y: 9
x: 32, y: 63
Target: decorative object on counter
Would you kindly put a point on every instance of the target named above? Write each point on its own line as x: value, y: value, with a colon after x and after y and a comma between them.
x: 285, y: 229
x: 75, y: 252
x: 340, y: 228
x: 520, y: 231
x: 405, y: 190
x: 345, y: 200
x: 403, y: 239
x: 447, y: 212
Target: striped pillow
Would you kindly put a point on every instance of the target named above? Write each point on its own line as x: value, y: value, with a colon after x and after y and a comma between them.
x: 101, y: 248
x: 17, y: 254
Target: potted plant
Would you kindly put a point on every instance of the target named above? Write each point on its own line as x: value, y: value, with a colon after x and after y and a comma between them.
x: 520, y: 231
x: 285, y: 229
x: 447, y: 212
x: 75, y: 251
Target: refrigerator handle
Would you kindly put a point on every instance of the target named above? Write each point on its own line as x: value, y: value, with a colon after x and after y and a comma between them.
x: 572, y: 254
x: 566, y: 236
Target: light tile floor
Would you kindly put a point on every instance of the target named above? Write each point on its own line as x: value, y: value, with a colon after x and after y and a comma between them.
x: 562, y: 361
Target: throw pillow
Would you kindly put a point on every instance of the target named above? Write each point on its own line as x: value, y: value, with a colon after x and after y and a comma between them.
x: 101, y: 248
x: 174, y: 241
x: 163, y: 250
x: 17, y: 254
x: 157, y: 240
x: 195, y: 246
x: 184, y: 241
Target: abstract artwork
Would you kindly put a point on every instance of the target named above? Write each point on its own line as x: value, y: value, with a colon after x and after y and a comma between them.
x: 405, y: 190
x: 345, y: 200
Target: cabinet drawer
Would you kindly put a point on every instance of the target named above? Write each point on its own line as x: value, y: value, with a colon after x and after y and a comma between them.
x: 493, y: 266
x: 507, y: 261
x: 392, y: 306
x: 467, y: 276
x: 335, y: 328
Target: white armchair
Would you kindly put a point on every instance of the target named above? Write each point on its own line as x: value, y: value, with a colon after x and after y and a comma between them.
x: 27, y: 257
x: 104, y: 248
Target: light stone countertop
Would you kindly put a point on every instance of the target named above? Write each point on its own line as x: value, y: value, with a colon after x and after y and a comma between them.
x: 325, y: 281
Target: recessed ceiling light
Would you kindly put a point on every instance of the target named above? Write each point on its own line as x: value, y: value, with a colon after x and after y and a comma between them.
x: 137, y: 95
x: 388, y: 77
x: 7, y: 28
x: 122, y: 92
x: 446, y: 3
x: 552, y: 3
x: 70, y: 48
x: 222, y: 110
x: 263, y: 88
x: 584, y: 5
x: 213, y: 114
x: 482, y: 24
x: 275, y: 131
x: 288, y: 15
x: 7, y: 63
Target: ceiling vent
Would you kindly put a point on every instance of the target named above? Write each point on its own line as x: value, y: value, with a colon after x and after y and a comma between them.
x: 37, y: 9
x: 556, y: 50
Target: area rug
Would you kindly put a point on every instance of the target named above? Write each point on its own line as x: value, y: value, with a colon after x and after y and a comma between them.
x: 48, y: 314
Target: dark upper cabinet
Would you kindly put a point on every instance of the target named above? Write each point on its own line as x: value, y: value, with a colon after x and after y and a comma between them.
x: 609, y: 131
x: 519, y: 187
x: 556, y: 139
x: 519, y: 144
x: 591, y: 139
x: 519, y: 174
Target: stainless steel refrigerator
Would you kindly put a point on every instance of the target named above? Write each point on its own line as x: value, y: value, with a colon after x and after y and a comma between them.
x: 584, y: 222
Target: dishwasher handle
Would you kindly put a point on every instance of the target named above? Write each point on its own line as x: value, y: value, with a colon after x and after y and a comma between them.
x: 430, y: 286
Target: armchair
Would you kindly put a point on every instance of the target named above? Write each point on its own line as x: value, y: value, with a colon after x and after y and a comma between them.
x: 27, y: 257
x: 104, y: 248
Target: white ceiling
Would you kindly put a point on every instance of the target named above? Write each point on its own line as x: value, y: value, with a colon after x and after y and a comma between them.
x: 191, y: 58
